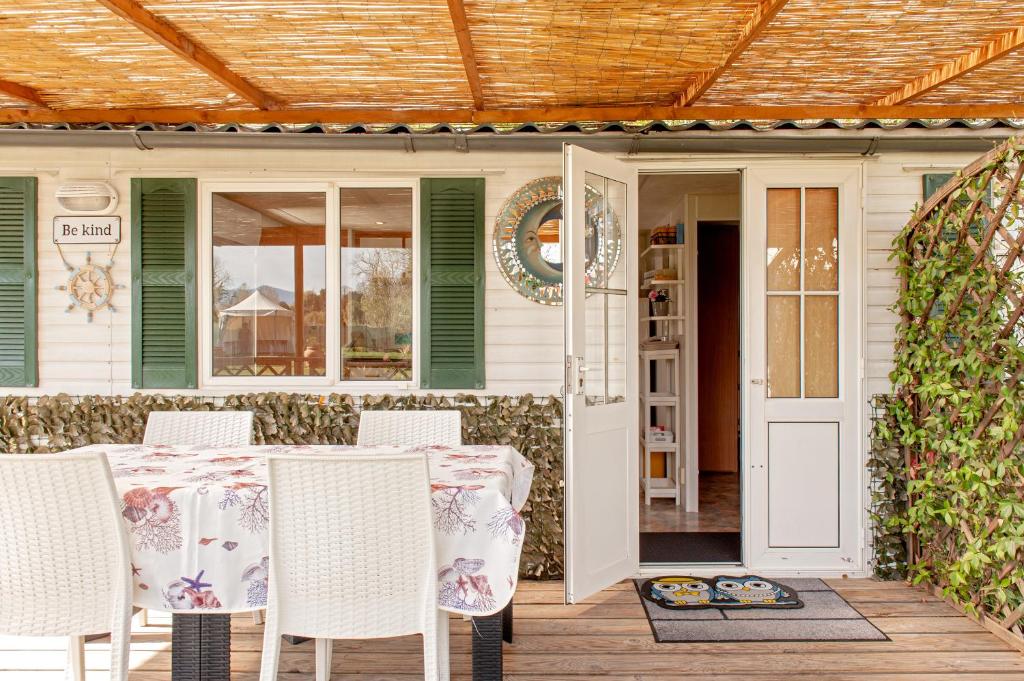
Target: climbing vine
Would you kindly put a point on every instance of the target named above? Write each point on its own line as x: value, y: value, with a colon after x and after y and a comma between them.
x: 954, y: 428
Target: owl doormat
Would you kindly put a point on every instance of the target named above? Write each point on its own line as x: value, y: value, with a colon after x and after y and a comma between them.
x: 749, y: 591
x: 691, y: 610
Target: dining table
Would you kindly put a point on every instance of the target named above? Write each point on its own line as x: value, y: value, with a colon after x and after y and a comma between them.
x: 197, y: 521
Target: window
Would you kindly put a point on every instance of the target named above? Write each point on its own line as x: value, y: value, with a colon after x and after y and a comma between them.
x: 803, y: 292
x: 269, y: 283
x: 310, y: 282
x: 376, y: 283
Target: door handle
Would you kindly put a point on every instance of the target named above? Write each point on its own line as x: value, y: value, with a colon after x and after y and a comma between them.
x: 757, y: 381
x: 581, y: 376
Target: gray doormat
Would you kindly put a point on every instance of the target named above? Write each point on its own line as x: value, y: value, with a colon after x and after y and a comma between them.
x: 826, y: 616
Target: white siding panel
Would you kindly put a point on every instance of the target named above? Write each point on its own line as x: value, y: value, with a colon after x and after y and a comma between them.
x: 523, y: 339
x: 893, y: 190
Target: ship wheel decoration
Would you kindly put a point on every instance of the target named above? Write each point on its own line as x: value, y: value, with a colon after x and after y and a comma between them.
x: 90, y: 287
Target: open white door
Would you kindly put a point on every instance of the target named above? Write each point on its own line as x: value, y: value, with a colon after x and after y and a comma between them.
x: 803, y: 389
x: 601, y: 414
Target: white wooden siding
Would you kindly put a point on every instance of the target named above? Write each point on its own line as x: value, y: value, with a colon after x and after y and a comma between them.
x: 523, y: 339
x: 893, y: 188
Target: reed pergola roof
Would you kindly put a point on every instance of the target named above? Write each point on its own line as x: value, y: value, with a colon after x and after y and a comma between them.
x: 507, y: 61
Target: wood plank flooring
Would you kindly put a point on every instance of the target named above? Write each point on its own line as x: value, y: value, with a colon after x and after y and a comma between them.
x: 608, y: 637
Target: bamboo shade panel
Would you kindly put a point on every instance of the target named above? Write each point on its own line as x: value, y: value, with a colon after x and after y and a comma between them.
x: 1000, y: 81
x: 11, y: 102
x: 367, y: 56
x: 78, y: 54
x: 339, y: 53
x: 857, y: 51
x: 586, y: 52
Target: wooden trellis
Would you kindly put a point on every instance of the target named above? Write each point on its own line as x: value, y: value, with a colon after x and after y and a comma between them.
x: 960, y: 394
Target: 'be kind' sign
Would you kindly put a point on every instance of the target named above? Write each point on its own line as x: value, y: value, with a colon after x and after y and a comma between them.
x: 87, y: 230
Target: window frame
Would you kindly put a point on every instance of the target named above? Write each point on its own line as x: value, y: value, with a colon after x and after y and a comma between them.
x: 332, y: 232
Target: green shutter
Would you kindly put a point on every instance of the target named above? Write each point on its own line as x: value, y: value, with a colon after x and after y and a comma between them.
x: 933, y: 182
x: 164, y: 283
x: 452, y: 291
x: 18, y: 275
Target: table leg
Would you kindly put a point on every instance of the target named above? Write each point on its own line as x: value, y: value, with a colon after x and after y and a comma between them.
x: 506, y: 623
x: 487, y: 662
x: 201, y: 648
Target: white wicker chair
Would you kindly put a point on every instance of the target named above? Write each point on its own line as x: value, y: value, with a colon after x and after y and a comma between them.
x: 410, y: 428
x: 352, y: 555
x: 213, y: 428
x: 64, y: 561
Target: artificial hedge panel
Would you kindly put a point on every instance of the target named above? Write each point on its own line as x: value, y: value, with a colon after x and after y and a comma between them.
x: 888, y: 492
x: 531, y: 425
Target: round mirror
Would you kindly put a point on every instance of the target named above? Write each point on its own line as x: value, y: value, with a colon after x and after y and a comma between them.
x: 528, y: 239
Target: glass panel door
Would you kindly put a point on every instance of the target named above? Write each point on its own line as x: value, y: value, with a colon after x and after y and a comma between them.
x: 601, y: 413
x: 803, y: 431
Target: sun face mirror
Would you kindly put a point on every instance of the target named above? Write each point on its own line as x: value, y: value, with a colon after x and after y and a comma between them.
x: 528, y: 239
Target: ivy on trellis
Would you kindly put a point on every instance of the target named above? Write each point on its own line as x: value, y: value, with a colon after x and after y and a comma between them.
x: 957, y: 416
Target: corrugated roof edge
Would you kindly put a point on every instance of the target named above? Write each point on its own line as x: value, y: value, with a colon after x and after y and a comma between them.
x: 628, y: 127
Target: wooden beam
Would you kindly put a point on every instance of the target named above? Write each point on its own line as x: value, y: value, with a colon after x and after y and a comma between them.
x: 176, y: 41
x: 457, y: 10
x: 998, y: 47
x: 22, y: 92
x: 546, y: 115
x: 762, y: 15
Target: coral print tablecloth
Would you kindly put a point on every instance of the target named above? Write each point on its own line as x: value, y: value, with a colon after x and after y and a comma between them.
x: 197, y: 523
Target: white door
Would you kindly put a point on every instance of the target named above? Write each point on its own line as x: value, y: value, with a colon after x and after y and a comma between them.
x: 601, y: 414
x: 803, y: 344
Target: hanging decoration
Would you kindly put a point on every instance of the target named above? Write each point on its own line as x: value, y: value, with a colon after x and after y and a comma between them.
x: 528, y: 239
x: 90, y: 286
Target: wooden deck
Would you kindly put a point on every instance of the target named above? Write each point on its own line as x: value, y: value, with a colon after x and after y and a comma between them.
x: 608, y: 638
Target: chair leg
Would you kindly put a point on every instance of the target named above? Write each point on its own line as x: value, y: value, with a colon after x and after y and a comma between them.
x: 443, y: 660
x: 436, y: 666
x: 257, y: 617
x: 76, y: 658
x: 271, y: 647
x: 120, y: 644
x: 324, y: 649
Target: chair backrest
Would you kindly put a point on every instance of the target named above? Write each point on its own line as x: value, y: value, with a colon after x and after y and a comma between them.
x: 211, y: 428
x: 64, y: 561
x: 351, y: 545
x: 410, y: 428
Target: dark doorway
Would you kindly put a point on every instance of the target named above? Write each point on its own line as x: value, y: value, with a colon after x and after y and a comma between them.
x: 718, y: 347
x: 711, y: 533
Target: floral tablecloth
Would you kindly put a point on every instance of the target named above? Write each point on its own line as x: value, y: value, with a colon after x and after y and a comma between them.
x: 197, y: 522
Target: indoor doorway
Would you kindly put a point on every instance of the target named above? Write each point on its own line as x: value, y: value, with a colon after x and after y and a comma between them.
x: 690, y: 501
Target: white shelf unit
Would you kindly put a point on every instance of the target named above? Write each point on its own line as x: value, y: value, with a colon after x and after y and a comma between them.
x: 661, y: 380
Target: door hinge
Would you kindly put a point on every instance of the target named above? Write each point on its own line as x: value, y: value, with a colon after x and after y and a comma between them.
x: 567, y: 388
